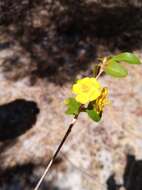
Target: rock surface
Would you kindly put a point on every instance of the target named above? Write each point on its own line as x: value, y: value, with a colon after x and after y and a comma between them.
x: 112, y: 3
x: 93, y: 151
x: 40, y: 65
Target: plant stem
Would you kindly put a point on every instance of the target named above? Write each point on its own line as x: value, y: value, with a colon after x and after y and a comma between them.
x: 57, y: 152
x: 99, y: 74
x: 62, y: 142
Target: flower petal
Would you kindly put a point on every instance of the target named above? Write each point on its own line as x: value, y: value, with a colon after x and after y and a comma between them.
x: 76, y: 89
x: 87, y: 89
x: 82, y: 98
x: 94, y: 95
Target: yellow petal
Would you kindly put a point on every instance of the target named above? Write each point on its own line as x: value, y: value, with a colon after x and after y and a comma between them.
x: 83, y: 98
x: 76, y: 89
x: 95, y: 83
x: 87, y: 89
x: 94, y: 95
x: 84, y: 80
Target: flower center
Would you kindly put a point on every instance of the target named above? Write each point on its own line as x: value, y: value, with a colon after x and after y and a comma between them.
x: 85, y: 88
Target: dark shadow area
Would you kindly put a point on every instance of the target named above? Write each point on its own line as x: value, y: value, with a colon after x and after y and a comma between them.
x: 62, y: 38
x: 111, y: 26
x: 7, y: 145
x: 16, y: 118
x: 22, y: 177
x: 132, y: 176
x: 111, y: 183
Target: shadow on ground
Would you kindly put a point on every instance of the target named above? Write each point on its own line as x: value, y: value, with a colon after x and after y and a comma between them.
x: 62, y: 38
x: 16, y: 118
x: 22, y: 177
x: 132, y: 176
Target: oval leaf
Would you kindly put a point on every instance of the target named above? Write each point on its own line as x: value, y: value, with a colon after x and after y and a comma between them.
x: 115, y: 69
x: 127, y: 57
x: 72, y: 106
x: 93, y: 115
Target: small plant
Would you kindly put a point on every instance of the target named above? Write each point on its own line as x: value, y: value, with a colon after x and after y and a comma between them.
x: 90, y: 96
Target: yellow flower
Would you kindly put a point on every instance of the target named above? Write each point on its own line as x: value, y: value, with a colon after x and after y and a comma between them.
x: 86, y: 90
x: 102, y: 100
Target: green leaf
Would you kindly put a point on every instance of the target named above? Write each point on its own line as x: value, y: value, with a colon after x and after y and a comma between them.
x: 115, y: 69
x: 72, y: 106
x: 93, y: 115
x: 127, y: 57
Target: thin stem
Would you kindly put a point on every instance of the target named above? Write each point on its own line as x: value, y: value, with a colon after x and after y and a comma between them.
x: 100, y: 72
x: 102, y: 65
x: 56, y: 152
x: 63, y: 141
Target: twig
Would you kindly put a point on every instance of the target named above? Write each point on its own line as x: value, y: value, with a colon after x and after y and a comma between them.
x: 56, y: 152
x: 99, y: 74
x: 62, y: 142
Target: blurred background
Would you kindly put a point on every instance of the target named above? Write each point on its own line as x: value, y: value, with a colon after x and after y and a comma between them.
x: 45, y: 45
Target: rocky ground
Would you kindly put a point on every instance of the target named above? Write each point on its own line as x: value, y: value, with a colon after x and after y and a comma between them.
x: 37, y: 68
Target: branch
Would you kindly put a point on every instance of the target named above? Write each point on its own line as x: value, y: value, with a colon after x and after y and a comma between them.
x: 56, y: 152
